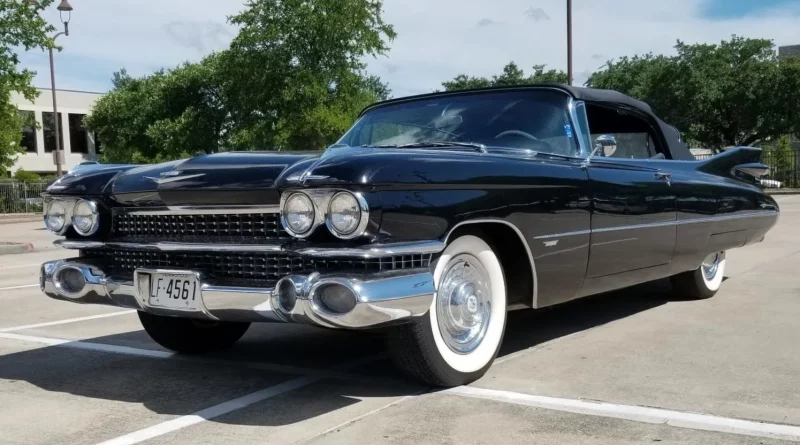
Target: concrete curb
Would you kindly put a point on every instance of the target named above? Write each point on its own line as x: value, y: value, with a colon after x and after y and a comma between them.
x: 14, y: 248
x: 784, y: 192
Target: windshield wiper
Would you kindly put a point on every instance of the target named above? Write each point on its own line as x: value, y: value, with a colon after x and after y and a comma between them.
x: 557, y: 155
x: 475, y: 145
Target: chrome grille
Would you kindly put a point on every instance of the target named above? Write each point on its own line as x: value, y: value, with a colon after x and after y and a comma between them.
x: 243, y: 269
x: 258, y: 227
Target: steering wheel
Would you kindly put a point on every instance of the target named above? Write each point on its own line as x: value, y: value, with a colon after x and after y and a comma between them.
x: 516, y: 133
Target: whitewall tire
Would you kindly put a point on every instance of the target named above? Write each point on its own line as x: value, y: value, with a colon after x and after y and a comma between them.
x: 459, y: 338
x: 702, y: 282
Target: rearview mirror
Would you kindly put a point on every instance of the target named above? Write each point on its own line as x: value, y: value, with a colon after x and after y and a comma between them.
x: 605, y: 144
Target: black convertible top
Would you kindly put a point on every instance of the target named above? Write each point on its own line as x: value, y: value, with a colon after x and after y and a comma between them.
x: 677, y: 148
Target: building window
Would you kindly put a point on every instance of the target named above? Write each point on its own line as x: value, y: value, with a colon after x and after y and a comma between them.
x: 48, y: 125
x: 78, y: 139
x: 28, y: 131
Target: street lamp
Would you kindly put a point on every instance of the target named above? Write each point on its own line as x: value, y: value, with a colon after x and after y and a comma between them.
x: 63, y: 7
x: 569, y: 42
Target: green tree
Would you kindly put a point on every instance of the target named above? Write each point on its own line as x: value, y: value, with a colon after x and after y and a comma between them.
x: 21, y: 28
x: 168, y: 115
x: 734, y: 93
x: 511, y: 75
x: 294, y: 75
x: 293, y: 79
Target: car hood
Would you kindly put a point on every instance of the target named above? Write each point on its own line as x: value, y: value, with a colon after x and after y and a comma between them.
x: 256, y: 178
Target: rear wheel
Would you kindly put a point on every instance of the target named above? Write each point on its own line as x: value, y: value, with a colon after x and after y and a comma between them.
x: 189, y: 336
x: 457, y: 341
x: 702, y: 282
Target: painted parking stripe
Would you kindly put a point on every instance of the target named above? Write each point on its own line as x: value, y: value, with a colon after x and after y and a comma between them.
x: 154, y: 353
x: 226, y: 407
x: 19, y: 287
x: 677, y: 419
x: 17, y: 266
x: 68, y: 320
x: 211, y: 412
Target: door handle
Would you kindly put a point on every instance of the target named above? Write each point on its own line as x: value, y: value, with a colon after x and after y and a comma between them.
x: 662, y: 175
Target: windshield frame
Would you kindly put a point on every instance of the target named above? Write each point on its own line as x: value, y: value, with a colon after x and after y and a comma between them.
x: 572, y: 117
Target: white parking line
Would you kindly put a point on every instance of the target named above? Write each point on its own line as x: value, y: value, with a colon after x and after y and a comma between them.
x: 68, y: 320
x: 19, y: 287
x: 210, y: 413
x: 677, y: 419
x: 153, y: 353
x: 17, y: 266
x: 224, y: 408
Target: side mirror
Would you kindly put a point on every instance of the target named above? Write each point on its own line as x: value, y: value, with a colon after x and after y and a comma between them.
x: 605, y: 144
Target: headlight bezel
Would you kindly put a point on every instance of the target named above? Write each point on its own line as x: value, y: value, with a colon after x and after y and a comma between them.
x: 95, y: 215
x: 363, y: 220
x: 321, y: 200
x: 66, y: 216
x: 314, y: 217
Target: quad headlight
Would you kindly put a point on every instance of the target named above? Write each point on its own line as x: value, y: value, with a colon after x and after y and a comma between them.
x: 297, y: 214
x: 344, y: 215
x: 85, y: 217
x: 55, y: 217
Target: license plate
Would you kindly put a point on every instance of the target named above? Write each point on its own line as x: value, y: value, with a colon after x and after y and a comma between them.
x: 174, y: 291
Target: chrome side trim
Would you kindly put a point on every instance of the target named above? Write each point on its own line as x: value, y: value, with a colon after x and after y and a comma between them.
x: 663, y: 223
x: 206, y: 210
x: 535, y: 301
x: 561, y: 235
x: 366, y: 251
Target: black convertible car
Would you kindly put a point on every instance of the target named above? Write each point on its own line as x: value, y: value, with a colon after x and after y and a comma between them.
x: 430, y: 219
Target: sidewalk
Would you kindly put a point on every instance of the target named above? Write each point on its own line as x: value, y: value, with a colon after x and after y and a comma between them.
x: 24, y: 237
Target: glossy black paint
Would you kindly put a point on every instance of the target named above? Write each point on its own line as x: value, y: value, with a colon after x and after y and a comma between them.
x: 590, y: 225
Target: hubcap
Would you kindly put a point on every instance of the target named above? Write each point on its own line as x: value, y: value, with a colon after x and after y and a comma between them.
x: 463, y: 304
x: 710, y: 265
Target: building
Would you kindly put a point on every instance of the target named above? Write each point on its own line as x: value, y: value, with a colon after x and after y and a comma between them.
x: 77, y: 143
x: 789, y: 51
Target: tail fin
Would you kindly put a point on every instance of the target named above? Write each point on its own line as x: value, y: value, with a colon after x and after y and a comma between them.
x: 744, y: 159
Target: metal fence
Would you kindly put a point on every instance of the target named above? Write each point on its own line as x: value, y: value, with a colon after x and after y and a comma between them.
x: 21, y: 197
x: 784, y: 167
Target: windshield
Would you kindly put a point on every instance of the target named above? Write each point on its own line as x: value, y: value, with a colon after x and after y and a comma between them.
x: 536, y: 120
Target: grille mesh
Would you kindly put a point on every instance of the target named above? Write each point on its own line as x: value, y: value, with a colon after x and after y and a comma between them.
x: 211, y: 228
x: 242, y: 269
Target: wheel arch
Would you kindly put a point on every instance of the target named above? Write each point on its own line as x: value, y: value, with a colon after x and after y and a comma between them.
x: 508, y: 243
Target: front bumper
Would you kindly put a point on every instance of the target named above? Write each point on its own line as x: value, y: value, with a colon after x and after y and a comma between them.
x: 380, y: 298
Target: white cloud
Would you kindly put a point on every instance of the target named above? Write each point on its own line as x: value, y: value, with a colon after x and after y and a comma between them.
x: 436, y: 41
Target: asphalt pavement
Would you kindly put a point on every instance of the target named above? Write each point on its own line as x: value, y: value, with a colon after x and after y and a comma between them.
x: 629, y: 367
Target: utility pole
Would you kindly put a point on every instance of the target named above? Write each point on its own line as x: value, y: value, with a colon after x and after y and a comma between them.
x: 569, y: 42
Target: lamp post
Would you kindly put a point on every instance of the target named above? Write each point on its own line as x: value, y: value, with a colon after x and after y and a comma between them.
x: 569, y: 42
x: 63, y: 7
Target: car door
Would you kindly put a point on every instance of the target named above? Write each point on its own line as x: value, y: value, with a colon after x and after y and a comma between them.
x: 633, y: 216
x: 633, y: 223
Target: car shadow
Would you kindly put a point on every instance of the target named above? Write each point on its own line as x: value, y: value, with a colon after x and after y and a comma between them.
x: 183, y: 386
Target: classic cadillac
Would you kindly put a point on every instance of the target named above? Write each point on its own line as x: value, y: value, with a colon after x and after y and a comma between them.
x: 430, y: 219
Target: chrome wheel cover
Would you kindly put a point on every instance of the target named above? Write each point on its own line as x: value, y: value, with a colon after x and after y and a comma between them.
x: 463, y: 303
x: 710, y: 265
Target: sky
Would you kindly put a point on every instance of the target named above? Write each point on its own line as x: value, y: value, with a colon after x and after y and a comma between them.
x: 436, y: 40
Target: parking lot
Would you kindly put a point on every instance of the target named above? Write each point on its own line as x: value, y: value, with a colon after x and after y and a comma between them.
x: 633, y: 366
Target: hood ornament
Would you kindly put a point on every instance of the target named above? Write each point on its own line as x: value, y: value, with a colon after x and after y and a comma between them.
x: 172, y: 176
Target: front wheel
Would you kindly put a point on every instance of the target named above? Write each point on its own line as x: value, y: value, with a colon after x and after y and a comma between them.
x: 457, y: 341
x: 702, y: 282
x: 189, y: 336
